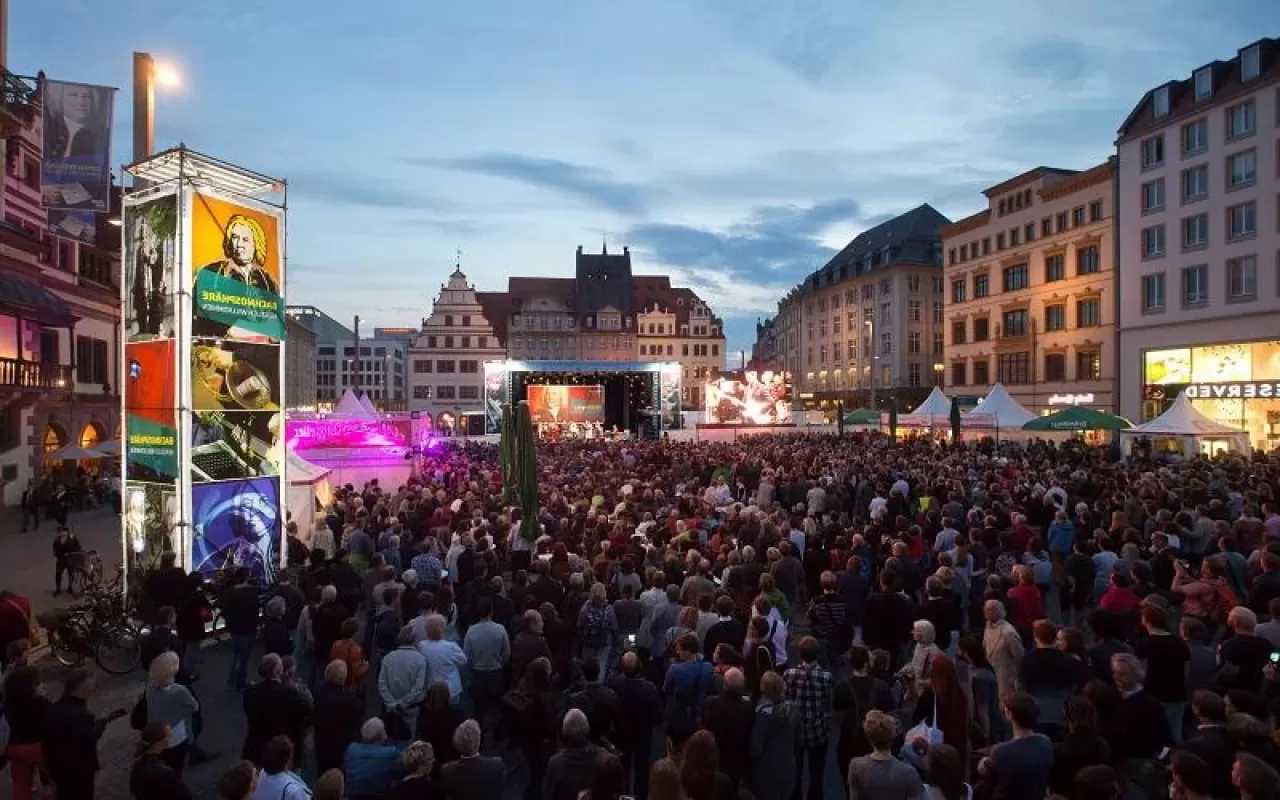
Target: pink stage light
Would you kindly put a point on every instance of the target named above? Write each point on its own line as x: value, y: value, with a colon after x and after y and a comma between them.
x: 340, y: 434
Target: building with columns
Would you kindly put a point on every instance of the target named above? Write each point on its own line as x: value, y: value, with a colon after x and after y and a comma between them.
x: 59, y: 315
x: 1199, y: 241
x: 868, y: 324
x: 1030, y: 291
x: 446, y: 358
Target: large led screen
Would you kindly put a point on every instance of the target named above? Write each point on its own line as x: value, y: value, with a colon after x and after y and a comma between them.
x: 554, y: 403
x: 749, y: 397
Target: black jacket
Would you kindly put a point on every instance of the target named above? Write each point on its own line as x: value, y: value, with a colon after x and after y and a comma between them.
x: 1140, y: 729
x: 71, y: 740
x: 569, y: 772
x: 478, y: 778
x: 152, y: 779
x: 727, y: 631
x: 272, y: 709
x: 1217, y: 748
x: 240, y: 609
x: 167, y: 586
x: 600, y: 704
x: 338, y: 715
x: 729, y: 718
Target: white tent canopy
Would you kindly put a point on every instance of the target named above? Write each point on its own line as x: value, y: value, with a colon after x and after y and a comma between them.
x: 933, y: 412
x: 367, y: 404
x: 350, y: 407
x: 1185, y: 421
x: 998, y: 409
x: 308, y: 484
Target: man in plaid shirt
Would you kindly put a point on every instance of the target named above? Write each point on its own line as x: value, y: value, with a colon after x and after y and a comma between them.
x: 809, y: 690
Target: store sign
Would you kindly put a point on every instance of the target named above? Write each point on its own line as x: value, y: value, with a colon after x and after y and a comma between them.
x: 1233, y: 390
x: 1071, y: 399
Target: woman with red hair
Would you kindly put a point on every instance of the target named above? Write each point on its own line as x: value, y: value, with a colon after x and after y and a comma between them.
x: 942, y: 703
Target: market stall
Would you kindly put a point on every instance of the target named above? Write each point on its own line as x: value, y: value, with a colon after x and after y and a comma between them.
x: 1185, y: 429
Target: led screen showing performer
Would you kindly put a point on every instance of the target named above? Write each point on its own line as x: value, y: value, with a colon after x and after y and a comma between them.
x: 749, y: 397
x: 238, y: 525
x: 556, y: 404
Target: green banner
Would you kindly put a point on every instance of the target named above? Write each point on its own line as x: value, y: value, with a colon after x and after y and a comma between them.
x: 236, y: 304
x: 152, y: 446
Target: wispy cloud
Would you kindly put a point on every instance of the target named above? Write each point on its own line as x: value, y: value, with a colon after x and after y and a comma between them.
x: 596, y: 187
x: 341, y: 188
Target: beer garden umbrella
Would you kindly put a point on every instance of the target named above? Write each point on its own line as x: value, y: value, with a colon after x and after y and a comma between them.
x: 862, y: 416
x: 1078, y: 418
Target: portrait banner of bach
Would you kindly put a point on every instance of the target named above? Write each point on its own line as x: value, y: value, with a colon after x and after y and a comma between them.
x: 235, y: 252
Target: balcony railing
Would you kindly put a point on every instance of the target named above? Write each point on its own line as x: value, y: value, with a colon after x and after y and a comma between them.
x: 17, y: 372
x: 18, y: 98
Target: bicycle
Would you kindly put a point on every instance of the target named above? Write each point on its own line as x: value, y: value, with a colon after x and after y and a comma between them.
x: 101, y: 627
x: 84, y: 572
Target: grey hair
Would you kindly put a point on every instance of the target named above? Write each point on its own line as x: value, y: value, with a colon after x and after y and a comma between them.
x: 329, y: 594
x: 276, y: 607
x: 1130, y: 663
x: 926, y: 627
x: 406, y: 637
x: 575, y: 727
x: 418, y: 755
x: 270, y: 666
x: 436, y: 625
x: 336, y: 672
x: 373, y: 730
x: 466, y: 738
x: 999, y: 607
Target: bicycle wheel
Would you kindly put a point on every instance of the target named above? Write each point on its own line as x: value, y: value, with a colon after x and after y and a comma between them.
x: 66, y: 655
x: 118, y: 650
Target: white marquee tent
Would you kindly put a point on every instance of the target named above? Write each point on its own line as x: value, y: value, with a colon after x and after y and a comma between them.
x: 308, y: 485
x: 998, y: 410
x: 368, y: 406
x: 351, y: 407
x: 934, y: 412
x: 1184, y: 422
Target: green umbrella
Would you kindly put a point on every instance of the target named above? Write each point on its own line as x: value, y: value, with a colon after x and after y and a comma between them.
x: 862, y: 416
x: 955, y: 420
x: 1078, y: 418
x: 893, y: 417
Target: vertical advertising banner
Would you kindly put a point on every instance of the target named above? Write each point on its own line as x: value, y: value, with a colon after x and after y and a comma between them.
x: 151, y: 423
x: 669, y: 392
x: 496, y: 395
x: 75, y: 168
x: 150, y: 274
x: 233, y: 381
x: 238, y: 286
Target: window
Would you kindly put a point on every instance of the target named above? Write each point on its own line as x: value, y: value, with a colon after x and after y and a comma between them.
x: 1204, y: 83
x: 958, y: 373
x: 447, y: 392
x: 1088, y: 313
x: 1095, y: 211
x: 1015, y: 323
x: 91, y: 359
x: 951, y: 256
x: 1061, y: 220
x: 999, y: 241
x: 1029, y: 231
x: 1054, y: 268
x: 446, y: 366
x: 981, y: 372
x: 448, y: 320
x: 1153, y: 241
x: 1013, y: 368
x: 1088, y: 365
x: 422, y: 365
x: 1055, y: 317
x: 957, y: 291
x: 1015, y: 237
x: 884, y: 314
x: 958, y: 332
x: 1241, y: 120
x: 1250, y: 62
x: 1241, y: 169
x: 1055, y: 367
x: 1242, y: 278
x: 981, y: 286
x: 913, y: 342
x: 1195, y: 285
x: 913, y: 374
x: 981, y: 329
x: 448, y: 342
x: 1153, y: 292
x: 1153, y: 196
x: 432, y: 342
x: 886, y: 344
x: 913, y: 284
x: 1195, y: 232
x: 468, y: 392
x: 469, y: 367
x: 1046, y: 226
x: 421, y: 392
x: 937, y: 313
x: 1160, y: 102
x: 1195, y: 138
x: 1087, y: 260
x: 1152, y: 156
x: 1242, y: 221
x: 1015, y: 277
x: 1077, y: 216
x: 1195, y: 183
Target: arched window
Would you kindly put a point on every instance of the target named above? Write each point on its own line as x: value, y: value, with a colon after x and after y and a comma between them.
x: 92, y: 436
x: 53, y: 440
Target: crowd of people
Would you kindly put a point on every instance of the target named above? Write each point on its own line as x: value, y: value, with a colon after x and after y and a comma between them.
x: 710, y: 621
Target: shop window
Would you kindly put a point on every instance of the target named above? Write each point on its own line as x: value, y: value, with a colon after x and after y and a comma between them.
x: 1055, y: 367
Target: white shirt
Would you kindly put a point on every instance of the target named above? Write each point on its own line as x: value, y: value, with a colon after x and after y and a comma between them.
x: 281, y: 786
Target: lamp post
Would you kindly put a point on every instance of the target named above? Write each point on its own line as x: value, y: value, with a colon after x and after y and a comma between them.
x: 937, y: 373
x: 147, y: 74
x: 870, y: 322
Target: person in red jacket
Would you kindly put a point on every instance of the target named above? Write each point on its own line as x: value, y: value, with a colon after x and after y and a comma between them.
x: 15, y: 620
x: 1025, y: 603
x: 1120, y: 597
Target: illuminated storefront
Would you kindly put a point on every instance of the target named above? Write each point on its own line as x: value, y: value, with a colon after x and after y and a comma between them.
x: 1234, y: 384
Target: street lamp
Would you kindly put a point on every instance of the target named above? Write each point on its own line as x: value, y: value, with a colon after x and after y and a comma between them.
x: 937, y: 373
x: 147, y: 74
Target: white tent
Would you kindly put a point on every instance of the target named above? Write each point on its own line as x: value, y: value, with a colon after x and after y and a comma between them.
x: 1186, y: 423
x: 350, y: 407
x: 998, y: 410
x: 308, y: 485
x: 368, y: 406
x: 934, y: 412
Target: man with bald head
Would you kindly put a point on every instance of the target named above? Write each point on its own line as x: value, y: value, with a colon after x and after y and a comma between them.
x: 730, y: 715
x: 642, y: 712
x: 338, y: 715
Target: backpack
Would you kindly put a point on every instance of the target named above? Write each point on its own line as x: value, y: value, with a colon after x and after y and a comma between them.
x: 1224, y: 599
x: 593, y: 631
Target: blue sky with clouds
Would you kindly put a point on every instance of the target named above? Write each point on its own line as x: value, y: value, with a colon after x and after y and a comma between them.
x: 732, y: 143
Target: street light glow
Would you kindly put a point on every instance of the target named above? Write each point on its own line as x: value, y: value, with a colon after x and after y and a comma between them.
x: 167, y: 76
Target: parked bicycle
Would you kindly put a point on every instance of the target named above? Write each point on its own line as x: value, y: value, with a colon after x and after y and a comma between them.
x: 84, y: 572
x: 100, y: 627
